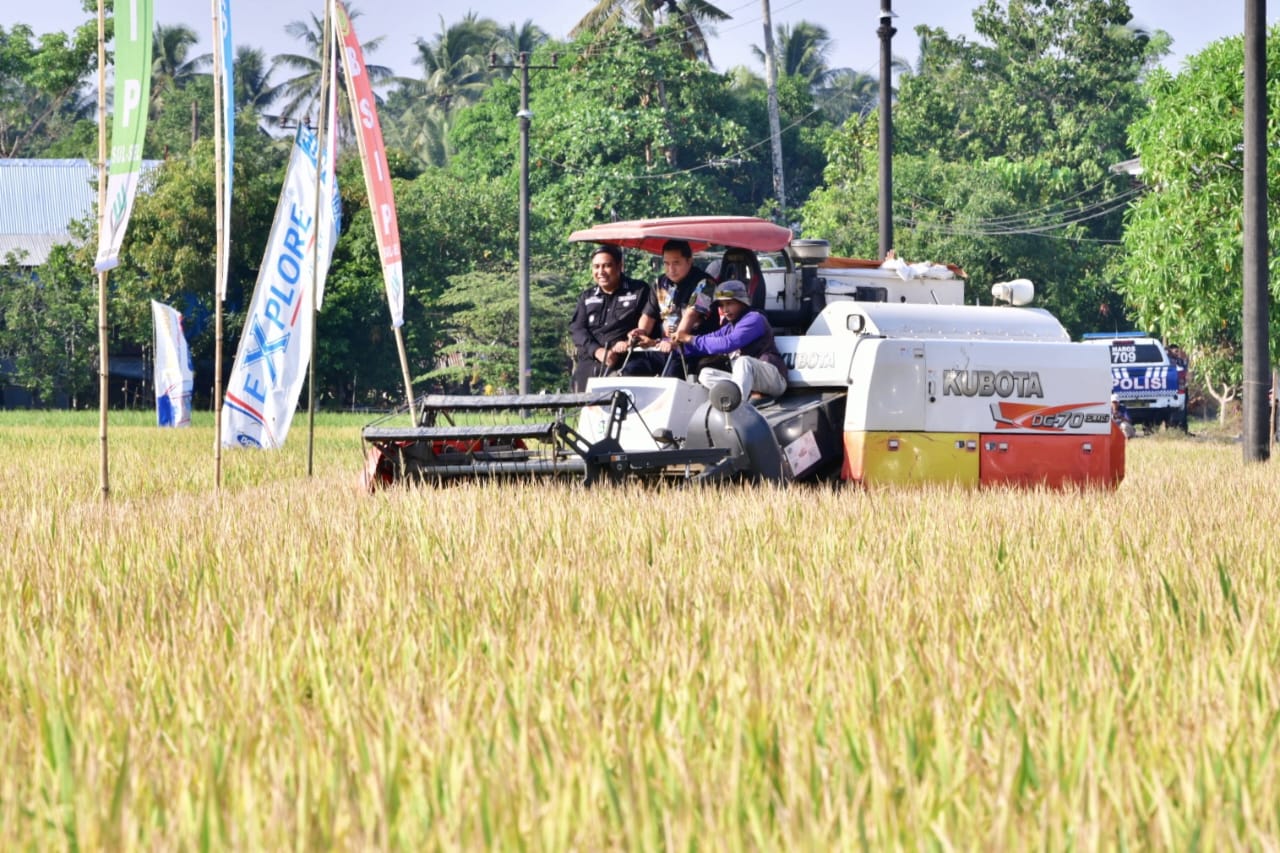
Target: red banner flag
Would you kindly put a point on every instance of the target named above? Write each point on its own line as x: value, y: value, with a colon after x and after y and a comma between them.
x: 373, y: 155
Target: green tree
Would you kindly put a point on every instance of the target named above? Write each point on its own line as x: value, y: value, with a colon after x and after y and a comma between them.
x: 683, y: 22
x: 41, y: 78
x: 48, y: 326
x: 514, y: 40
x: 455, y: 64
x: 168, y: 254
x: 482, y: 329
x: 301, y: 92
x: 803, y: 51
x: 604, y: 145
x: 253, y: 87
x: 1054, y: 78
x: 449, y: 226
x: 455, y: 73
x: 848, y: 93
x: 172, y: 65
x: 1182, y: 267
x: 1025, y: 125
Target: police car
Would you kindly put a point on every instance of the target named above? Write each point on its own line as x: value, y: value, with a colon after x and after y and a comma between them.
x: 1148, y: 382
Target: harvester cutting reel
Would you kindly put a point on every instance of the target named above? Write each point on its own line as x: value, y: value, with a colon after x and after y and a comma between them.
x: 450, y: 441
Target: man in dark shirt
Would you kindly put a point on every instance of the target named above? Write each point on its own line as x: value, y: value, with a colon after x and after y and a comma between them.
x: 681, y: 301
x: 606, y: 314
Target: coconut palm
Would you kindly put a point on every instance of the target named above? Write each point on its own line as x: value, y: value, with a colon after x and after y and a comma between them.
x: 456, y: 72
x: 647, y: 15
x: 302, y: 91
x: 846, y: 93
x: 514, y: 41
x: 253, y: 83
x: 172, y: 65
x: 803, y: 51
x: 421, y: 131
x: 455, y: 64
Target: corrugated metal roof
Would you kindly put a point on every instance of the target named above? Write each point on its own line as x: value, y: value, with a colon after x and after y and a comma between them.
x: 39, y: 199
x: 43, y: 196
x: 35, y: 248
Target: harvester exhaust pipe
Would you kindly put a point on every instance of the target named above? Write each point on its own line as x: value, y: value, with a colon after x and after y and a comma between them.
x: 809, y: 255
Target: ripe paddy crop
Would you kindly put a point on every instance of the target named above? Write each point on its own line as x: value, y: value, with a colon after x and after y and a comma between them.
x: 288, y: 662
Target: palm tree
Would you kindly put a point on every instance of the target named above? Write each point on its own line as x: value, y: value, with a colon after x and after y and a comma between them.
x: 803, y: 51
x: 171, y: 64
x: 846, y: 93
x: 302, y: 91
x: 253, y: 84
x: 172, y: 67
x: 422, y: 131
x: 514, y: 41
x: 646, y: 15
x: 456, y: 73
x: 455, y: 64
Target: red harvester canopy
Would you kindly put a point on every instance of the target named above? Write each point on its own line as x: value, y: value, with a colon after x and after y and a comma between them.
x: 745, y: 232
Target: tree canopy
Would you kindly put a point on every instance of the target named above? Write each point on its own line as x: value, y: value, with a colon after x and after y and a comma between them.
x: 1182, y: 268
x: 1003, y: 149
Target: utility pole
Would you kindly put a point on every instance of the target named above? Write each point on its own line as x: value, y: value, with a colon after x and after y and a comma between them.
x: 775, y: 123
x: 525, y: 116
x: 1256, y: 318
x: 886, y: 32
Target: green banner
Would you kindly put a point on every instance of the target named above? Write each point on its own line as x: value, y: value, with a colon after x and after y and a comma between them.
x: 128, y: 124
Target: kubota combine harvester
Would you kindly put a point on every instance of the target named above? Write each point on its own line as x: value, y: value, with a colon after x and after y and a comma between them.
x: 892, y: 379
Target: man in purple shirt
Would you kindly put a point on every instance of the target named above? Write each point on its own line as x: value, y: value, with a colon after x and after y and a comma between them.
x: 747, y: 338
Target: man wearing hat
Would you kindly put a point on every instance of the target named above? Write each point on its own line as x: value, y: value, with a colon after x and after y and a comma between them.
x: 1120, y: 414
x: 607, y: 312
x: 746, y: 336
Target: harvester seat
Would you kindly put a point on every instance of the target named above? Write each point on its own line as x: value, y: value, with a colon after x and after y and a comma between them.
x: 742, y: 265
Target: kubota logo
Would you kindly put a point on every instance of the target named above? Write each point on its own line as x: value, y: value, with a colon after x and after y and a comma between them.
x: 991, y: 383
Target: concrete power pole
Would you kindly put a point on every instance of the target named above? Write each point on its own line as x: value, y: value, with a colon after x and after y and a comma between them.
x: 886, y: 32
x: 775, y: 125
x: 1256, y: 317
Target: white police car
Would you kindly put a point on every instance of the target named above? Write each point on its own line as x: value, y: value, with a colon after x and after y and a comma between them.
x: 1150, y: 384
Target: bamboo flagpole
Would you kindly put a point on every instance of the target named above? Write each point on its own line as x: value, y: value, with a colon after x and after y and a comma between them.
x: 131, y: 99
x: 377, y: 179
x: 103, y: 387
x: 223, y: 157
x: 323, y: 119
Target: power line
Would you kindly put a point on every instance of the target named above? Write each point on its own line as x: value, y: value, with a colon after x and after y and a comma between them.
x: 718, y: 162
x: 983, y: 228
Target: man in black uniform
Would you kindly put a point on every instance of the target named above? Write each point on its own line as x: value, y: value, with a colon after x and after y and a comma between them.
x: 606, y: 314
x: 681, y: 301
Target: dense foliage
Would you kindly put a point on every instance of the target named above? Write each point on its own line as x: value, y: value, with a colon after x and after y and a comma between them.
x: 1183, y: 265
x: 1002, y: 156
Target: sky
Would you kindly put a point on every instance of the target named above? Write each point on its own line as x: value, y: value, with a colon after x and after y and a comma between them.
x: 1192, y: 24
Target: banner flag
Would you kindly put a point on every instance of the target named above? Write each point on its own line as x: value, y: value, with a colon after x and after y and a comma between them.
x: 173, y: 376
x: 373, y: 156
x: 128, y: 125
x: 225, y: 52
x: 330, y: 215
x: 275, y: 345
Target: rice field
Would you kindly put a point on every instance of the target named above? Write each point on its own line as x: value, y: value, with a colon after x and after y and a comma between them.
x: 289, y: 663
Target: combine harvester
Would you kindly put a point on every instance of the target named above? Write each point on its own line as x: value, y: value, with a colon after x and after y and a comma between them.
x: 892, y: 380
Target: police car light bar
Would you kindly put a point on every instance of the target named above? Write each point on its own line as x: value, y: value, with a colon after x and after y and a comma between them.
x: 1098, y: 336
